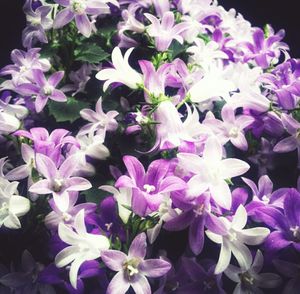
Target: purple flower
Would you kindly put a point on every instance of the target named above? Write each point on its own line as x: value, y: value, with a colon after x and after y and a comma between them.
x: 292, y: 142
x: 165, y: 31
x: 58, y: 181
x: 133, y: 268
x: 284, y: 82
x: 149, y: 188
x: 265, y: 50
x: 38, y: 23
x: 80, y: 9
x: 286, y: 225
x: 43, y: 88
x: 196, y: 216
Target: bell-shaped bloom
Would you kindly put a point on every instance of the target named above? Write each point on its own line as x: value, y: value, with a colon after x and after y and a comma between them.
x: 79, y: 10
x: 83, y: 246
x: 43, y: 89
x: 165, y: 31
x: 98, y: 119
x: 233, y: 242
x: 211, y: 171
x: 286, y: 225
x: 58, y: 181
x: 121, y: 73
x: 12, y: 206
x: 149, y: 188
x: 132, y: 269
x: 249, y: 279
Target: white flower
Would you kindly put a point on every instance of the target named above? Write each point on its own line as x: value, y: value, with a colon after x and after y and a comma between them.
x: 205, y: 54
x: 213, y: 85
x: 122, y: 72
x: 249, y: 279
x: 83, y: 246
x: 12, y: 206
x: 235, y: 239
x: 211, y: 171
x: 123, y: 198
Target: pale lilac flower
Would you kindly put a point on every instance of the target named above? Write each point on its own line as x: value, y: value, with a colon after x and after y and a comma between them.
x: 249, y: 279
x: 133, y: 268
x: 165, y: 31
x: 67, y: 214
x: 83, y: 246
x: 231, y: 129
x: 121, y: 73
x: 8, y: 123
x: 43, y: 89
x: 23, y: 64
x: 79, y: 10
x: 38, y: 22
x: 58, y: 181
x: 292, y: 142
x: 233, y: 242
x: 211, y: 171
x: 98, y: 119
x: 12, y: 206
x: 149, y: 188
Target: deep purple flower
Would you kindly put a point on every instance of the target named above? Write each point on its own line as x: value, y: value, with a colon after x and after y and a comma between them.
x: 148, y: 188
x: 133, y: 268
x: 286, y: 225
x: 43, y: 88
x: 265, y: 50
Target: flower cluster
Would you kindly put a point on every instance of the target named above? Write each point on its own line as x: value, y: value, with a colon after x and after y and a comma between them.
x: 149, y: 147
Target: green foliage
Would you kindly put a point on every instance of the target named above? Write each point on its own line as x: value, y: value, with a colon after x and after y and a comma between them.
x: 91, y: 53
x: 66, y: 111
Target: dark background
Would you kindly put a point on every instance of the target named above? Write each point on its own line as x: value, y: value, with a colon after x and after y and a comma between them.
x: 280, y: 13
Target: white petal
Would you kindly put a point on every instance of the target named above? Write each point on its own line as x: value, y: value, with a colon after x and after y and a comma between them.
x: 224, y: 258
x: 239, y: 220
x: 19, y: 205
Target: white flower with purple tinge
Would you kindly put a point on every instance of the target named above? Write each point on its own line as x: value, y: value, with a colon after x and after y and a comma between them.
x: 233, y: 242
x: 211, y: 171
x: 79, y: 10
x: 121, y: 73
x: 133, y: 268
x: 83, y: 246
x: 12, y: 206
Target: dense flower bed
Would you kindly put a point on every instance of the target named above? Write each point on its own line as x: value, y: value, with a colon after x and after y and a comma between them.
x: 149, y: 146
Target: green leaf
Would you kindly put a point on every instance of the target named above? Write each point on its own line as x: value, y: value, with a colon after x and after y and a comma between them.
x: 175, y: 49
x: 91, y: 53
x: 95, y: 195
x: 66, y: 111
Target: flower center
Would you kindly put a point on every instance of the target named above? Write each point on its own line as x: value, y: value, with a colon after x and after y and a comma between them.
x: 66, y: 217
x: 149, y: 188
x: 246, y: 278
x: 131, y: 268
x: 4, y: 209
x: 48, y: 90
x: 199, y: 210
x: 265, y: 199
x: 232, y: 236
x: 296, y: 232
x: 57, y: 185
x: 234, y: 132
x: 79, y: 6
x: 34, y: 21
x: 108, y: 226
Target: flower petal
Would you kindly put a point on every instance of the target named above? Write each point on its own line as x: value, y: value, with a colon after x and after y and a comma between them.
x: 113, y: 259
